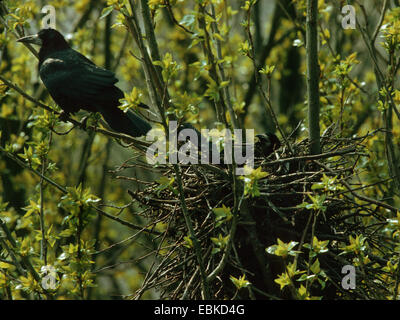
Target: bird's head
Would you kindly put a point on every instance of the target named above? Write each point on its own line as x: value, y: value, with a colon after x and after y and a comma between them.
x: 269, y: 139
x: 45, y: 37
x: 49, y: 40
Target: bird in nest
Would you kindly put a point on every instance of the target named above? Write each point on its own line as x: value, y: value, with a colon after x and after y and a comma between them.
x: 266, y: 144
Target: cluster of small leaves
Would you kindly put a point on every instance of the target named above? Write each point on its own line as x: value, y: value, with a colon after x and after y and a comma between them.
x: 169, y: 67
x: 345, y: 85
x: 222, y: 215
x: 251, y: 178
x: 131, y: 100
x: 339, y: 93
x: 300, y: 281
x: 391, y: 31
x: 240, y: 282
x: 76, y: 201
x: 19, y: 18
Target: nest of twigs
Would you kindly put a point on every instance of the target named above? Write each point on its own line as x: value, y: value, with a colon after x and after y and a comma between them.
x: 275, y: 213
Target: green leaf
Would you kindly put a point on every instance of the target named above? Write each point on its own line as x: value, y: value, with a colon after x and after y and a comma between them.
x: 240, y: 282
x: 222, y: 214
x: 283, y: 280
x: 5, y: 265
x: 283, y: 249
x: 188, y: 243
x: 315, y: 267
x: 188, y: 20
x: 106, y: 11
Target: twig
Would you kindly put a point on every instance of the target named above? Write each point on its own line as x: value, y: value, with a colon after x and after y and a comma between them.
x: 64, y: 190
x: 136, y: 142
x: 313, y: 72
x: 313, y: 157
x: 259, y: 83
x: 189, y: 225
x: 172, y: 16
x: 364, y: 198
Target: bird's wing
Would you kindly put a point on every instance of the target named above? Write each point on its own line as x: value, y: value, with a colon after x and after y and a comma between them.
x: 77, y: 82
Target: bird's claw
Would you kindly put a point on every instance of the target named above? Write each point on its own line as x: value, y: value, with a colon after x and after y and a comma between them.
x: 83, y: 122
x: 63, y: 116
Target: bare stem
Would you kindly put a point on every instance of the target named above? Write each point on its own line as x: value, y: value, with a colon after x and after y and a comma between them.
x: 313, y: 76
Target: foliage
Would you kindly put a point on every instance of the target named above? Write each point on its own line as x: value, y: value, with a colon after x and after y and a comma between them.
x: 80, y: 205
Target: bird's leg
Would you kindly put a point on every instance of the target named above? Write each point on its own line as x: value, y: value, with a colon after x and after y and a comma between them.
x: 83, y: 122
x: 63, y: 116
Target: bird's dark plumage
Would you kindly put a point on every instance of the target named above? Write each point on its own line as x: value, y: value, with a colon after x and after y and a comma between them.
x: 266, y: 144
x: 75, y: 83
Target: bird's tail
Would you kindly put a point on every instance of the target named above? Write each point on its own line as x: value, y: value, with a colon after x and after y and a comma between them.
x: 128, y: 123
x: 139, y: 125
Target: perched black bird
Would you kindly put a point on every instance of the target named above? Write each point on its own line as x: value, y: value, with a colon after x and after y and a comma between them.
x: 75, y: 83
x: 266, y: 144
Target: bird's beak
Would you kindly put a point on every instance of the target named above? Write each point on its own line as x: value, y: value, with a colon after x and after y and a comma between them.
x: 34, y: 39
x: 259, y: 136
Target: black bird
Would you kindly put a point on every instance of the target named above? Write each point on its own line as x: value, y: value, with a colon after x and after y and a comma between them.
x: 75, y: 83
x: 266, y: 144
